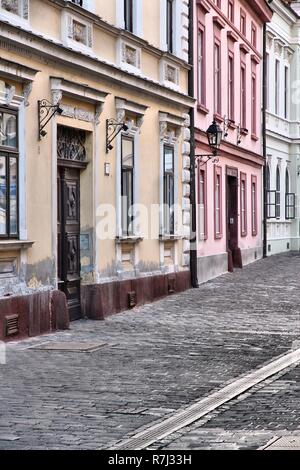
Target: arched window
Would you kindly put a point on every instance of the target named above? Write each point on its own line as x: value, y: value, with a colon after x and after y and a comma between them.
x: 287, y: 181
x: 290, y: 198
x: 277, y: 213
x: 268, y: 179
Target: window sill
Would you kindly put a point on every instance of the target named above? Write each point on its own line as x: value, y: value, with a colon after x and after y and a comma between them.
x: 169, y: 238
x: 218, y: 118
x: 9, y: 245
x: 202, y: 109
x: 244, y: 131
x: 125, y: 240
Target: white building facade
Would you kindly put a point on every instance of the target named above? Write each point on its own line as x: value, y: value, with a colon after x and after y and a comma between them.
x: 283, y: 128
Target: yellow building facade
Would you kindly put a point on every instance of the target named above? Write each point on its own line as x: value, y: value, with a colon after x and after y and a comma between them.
x: 94, y: 158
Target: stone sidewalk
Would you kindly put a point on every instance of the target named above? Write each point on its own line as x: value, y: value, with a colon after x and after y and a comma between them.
x: 158, y: 358
x: 271, y: 409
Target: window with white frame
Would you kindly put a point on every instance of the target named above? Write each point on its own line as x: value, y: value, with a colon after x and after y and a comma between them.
x: 286, y: 92
x: 290, y: 199
x: 278, y: 193
x: 9, y: 226
x: 127, y: 184
x: 201, y: 66
x: 277, y: 85
x: 173, y: 35
x: 170, y: 26
x: 87, y: 4
x: 243, y: 188
x: 254, y: 205
x: 169, y: 190
x: 202, y: 203
x: 129, y: 15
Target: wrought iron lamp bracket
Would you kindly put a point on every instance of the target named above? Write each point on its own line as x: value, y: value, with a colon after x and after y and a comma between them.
x: 46, y: 111
x: 113, y: 129
x: 227, y: 123
x: 201, y: 160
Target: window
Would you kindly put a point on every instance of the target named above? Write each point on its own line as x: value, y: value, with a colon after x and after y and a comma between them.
x: 278, y: 186
x: 128, y: 15
x: 201, y: 66
x: 277, y: 85
x: 254, y: 204
x: 217, y: 78
x: 254, y: 108
x: 243, y: 189
x: 286, y: 92
x: 231, y: 10
x: 231, y: 86
x: 290, y: 199
x: 243, y: 96
x: 8, y: 175
x: 271, y: 196
x: 78, y: 2
x: 127, y: 174
x: 243, y: 23
x: 202, y: 204
x: 253, y: 35
x: 267, y: 80
x: 169, y: 29
x: 169, y: 190
x: 218, y: 202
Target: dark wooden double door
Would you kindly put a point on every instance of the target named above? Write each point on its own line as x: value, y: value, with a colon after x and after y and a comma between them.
x: 68, y: 237
x: 234, y: 252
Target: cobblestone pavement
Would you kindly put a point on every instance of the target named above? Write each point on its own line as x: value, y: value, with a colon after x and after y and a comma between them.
x: 159, y: 358
x: 249, y: 422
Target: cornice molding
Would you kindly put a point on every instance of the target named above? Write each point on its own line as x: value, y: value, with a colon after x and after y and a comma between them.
x: 31, y: 45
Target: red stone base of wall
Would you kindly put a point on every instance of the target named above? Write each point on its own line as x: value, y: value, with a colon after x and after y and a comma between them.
x: 39, y: 313
x: 102, y: 300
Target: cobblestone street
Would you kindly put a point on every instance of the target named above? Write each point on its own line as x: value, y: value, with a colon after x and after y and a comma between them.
x: 158, y: 359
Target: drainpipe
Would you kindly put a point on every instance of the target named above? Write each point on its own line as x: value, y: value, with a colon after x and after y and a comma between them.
x: 193, y: 241
x: 264, y: 136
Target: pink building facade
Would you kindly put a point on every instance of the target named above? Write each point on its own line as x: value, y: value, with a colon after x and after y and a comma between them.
x: 228, y: 79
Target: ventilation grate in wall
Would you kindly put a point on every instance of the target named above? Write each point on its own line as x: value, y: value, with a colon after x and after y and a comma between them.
x: 11, y: 325
x: 132, y: 299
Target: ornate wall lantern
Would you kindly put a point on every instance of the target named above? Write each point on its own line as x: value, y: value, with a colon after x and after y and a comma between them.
x: 214, y: 136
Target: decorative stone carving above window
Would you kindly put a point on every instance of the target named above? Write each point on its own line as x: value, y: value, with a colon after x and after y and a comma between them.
x: 76, y: 33
x: 14, y: 9
x: 278, y: 47
x: 170, y: 127
x: 288, y: 54
x: 169, y: 75
x: 125, y: 107
x: 61, y: 87
x: 129, y: 56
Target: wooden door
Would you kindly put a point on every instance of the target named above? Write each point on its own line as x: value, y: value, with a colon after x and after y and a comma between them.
x: 68, y: 228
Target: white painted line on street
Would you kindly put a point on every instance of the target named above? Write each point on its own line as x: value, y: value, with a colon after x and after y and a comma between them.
x: 193, y: 413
